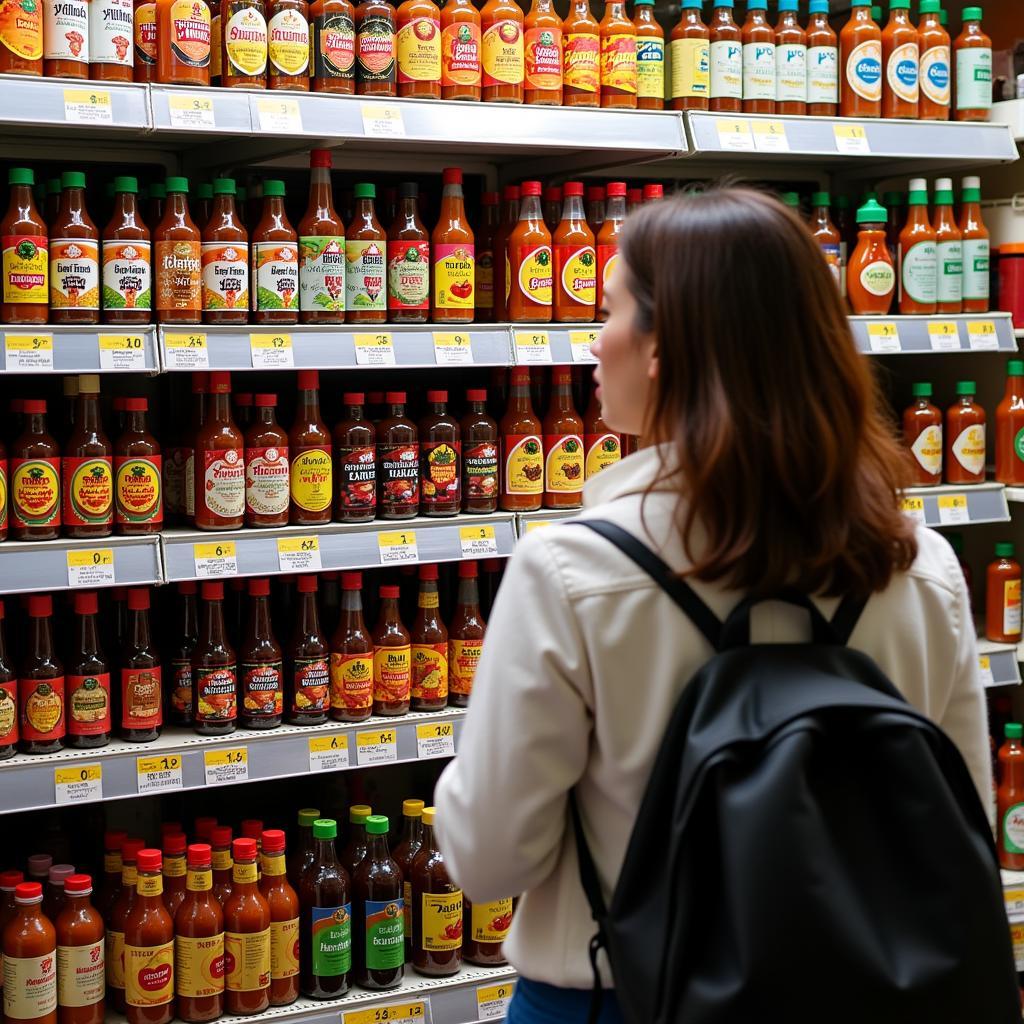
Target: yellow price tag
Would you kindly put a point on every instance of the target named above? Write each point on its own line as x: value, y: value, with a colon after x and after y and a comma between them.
x: 90, y: 567
x: 400, y: 1012
x: 215, y: 559
x: 397, y: 547
x: 382, y: 119
x: 533, y: 347
x: 167, y: 763
x: 322, y: 744
x: 374, y: 349
x: 328, y: 753
x: 191, y: 111
x: 237, y: 755
x: 435, y: 739
x: 88, y: 106
x: 29, y: 342
x: 492, y: 1000
x: 884, y: 336
x: 981, y: 334
x: 270, y: 342
x: 157, y: 774
x: 953, y: 509
x: 80, y: 773
x: 298, y: 554
x: 28, y: 352
x: 953, y: 501
x: 195, y: 340
x: 186, y: 351
x: 580, y: 342
x: 452, y: 349
x: 770, y: 136
x: 224, y: 766
x: 478, y: 541
x: 80, y: 784
x: 944, y: 335
x: 851, y: 139
x: 379, y: 747
x: 121, y: 342
x: 913, y: 507
x: 222, y: 549
x: 279, y: 115
x: 298, y: 544
x: 536, y: 524
x: 734, y: 134
x: 91, y: 557
x: 370, y: 739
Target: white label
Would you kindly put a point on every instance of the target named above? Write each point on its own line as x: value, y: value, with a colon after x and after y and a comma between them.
x: 30, y: 986
x: 374, y: 349
x: 158, y: 774
x: 969, y: 448
x: 214, y: 560
x: 944, y: 335
x: 28, y: 353
x: 322, y: 273
x: 435, y: 739
x: 985, y: 671
x: 376, y: 747
x: 734, y: 134
x: 580, y: 342
x: 226, y: 766
x: 191, y: 111
x: 397, y: 547
x: 65, y: 30
x: 791, y: 73
x: 267, y: 480
x: 973, y: 78
x: 452, y: 349
x: 851, y: 139
x: 328, y: 753
x: 365, y: 275
x: 78, y: 785
x: 953, y: 509
x: 770, y: 137
x: 279, y: 115
x: 298, y: 554
x: 927, y: 449
x: 88, y: 106
x: 111, y: 32
x: 884, y: 337
x: 1011, y: 607
x: 276, y: 275
x: 271, y: 351
x: 186, y: 352
x: 879, y: 278
x: 478, y: 541
x: 919, y: 272
x: 492, y: 1000
x: 726, y: 70
x: 950, y: 257
x: 532, y: 348
x: 823, y: 74
x: 94, y: 568
x: 902, y: 70
x: 122, y: 352
x: 225, y: 275
x: 759, y: 71
x: 935, y: 80
x: 127, y: 274
x: 976, y: 259
x: 864, y: 70
x: 81, y: 974
x: 382, y: 119
x: 75, y: 273
x: 982, y: 336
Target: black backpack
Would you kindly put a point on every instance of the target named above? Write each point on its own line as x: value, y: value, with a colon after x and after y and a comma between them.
x: 809, y: 848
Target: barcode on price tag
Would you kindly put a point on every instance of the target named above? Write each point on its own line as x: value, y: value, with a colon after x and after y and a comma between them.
x: 770, y: 137
x: 88, y: 106
x: 186, y: 351
x: 492, y: 1000
x: 884, y: 337
x: 122, y: 352
x: 734, y: 135
x: 224, y: 766
x: 533, y: 347
x: 944, y: 335
x: 279, y: 116
x: 435, y: 739
x: 191, y: 112
x: 452, y: 349
x: 298, y: 554
x: 953, y: 509
x: 851, y: 139
x: 394, y: 1012
x: 478, y: 541
x: 217, y: 559
x: 981, y: 335
x: 28, y: 353
x: 580, y: 342
x: 271, y: 351
x: 913, y: 507
x: 78, y: 785
x: 93, y: 567
x: 378, y: 747
x: 397, y: 547
x: 328, y: 753
x: 374, y: 349
x: 985, y: 668
x: 156, y: 774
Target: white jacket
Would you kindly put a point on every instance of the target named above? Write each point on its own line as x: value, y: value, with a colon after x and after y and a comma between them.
x: 584, y: 660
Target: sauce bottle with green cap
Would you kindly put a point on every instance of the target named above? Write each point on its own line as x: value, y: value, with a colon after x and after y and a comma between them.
x: 275, y: 261
x: 917, y: 255
x: 826, y: 234
x: 1010, y: 799
x: 378, y: 917
x: 26, y: 265
x: 325, y: 918
x: 976, y: 248
x: 870, y: 275
x: 1010, y: 427
x: 179, y: 260
x: 965, y: 437
x: 300, y: 852
x: 74, y: 257
x: 972, y: 51
x: 949, y: 250
x: 365, y: 261
x: 922, y: 434
x: 1002, y: 597
x: 126, y: 284
x: 690, y: 52
x: 225, y: 255
x: 790, y: 61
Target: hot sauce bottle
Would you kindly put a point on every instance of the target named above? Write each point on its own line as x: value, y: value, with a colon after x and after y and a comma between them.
x: 607, y: 238
x: 74, y: 257
x: 267, y: 467
x: 436, y: 909
x: 111, y: 54
x: 972, y: 51
x: 452, y: 239
x: 900, y: 60
x: 465, y: 637
x: 301, y: 855
x: 30, y: 961
x: 918, y: 257
x: 262, y: 687
x: 530, y: 261
x: 243, y: 44
x: 179, y: 674
x: 184, y: 38
x: 618, y: 57
x: 325, y: 918
x: 1003, y: 597
x: 365, y: 261
x: 214, y: 669
x: 247, y: 921
x: 333, y: 35
x: 408, y: 254
x: 21, y: 42
x: 110, y: 886
x: 391, y: 658
x: 509, y: 219
x: 377, y: 912
x: 575, y: 261
x: 485, y: 928
x: 1010, y: 427
x: 935, y: 64
x: 65, y: 39
x: 87, y: 468
x: 309, y: 446
x: 284, y: 919
x: 404, y: 854
x: 503, y: 49
x: 860, y: 56
x: 288, y: 46
x: 88, y: 678
x: 222, y: 862
x: 790, y: 61
x: 179, y: 261
x: 144, y: 41
x: 80, y: 968
x: 543, y: 54
x: 440, y: 458
x: 965, y: 437
x: 827, y: 235
x: 949, y: 250
x: 726, y: 54
x: 398, y: 459
x: 758, y: 60
x: 41, y: 684
x: 479, y: 455
x: 114, y: 945
x: 351, y: 656
x: 429, y: 653
x: 419, y: 49
x: 309, y: 673
x: 563, y: 445
x: 870, y: 275
x: 650, y: 58
x: 689, y: 48
x: 141, y: 690
x: 522, y: 450
x: 603, y: 447
x: 976, y: 248
x: 922, y: 434
x: 460, y: 51
x: 275, y: 261
x: 1010, y: 799
x: 822, y: 63
x: 199, y: 943
x: 149, y: 948
x: 23, y: 238
x: 321, y: 249
x: 127, y: 260
x: 219, y: 462
x: 138, y: 498
x: 581, y: 60
x: 376, y: 64
x: 225, y: 259
x: 355, y: 456
x: 8, y: 706
x: 175, y: 869
x: 35, y: 502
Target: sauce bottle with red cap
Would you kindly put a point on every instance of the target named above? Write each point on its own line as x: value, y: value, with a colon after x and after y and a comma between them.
x: 262, y: 673
x: 88, y: 678
x: 284, y: 919
x: 465, y: 637
x: 199, y: 943
x: 429, y: 648
x: 392, y: 657
x: 175, y: 870
x: 479, y: 455
x: 214, y: 669
x: 530, y: 261
x: 81, y: 982
x: 398, y: 456
x: 30, y: 961
x: 454, y: 254
x: 35, y: 478
x: 247, y: 922
x: 351, y: 656
x: 267, y: 467
x: 114, y: 947
x: 149, y: 948
x: 522, y: 449
x: 309, y: 447
x: 138, y: 466
x: 440, y: 458
x: 141, y: 688
x: 219, y: 478
x: 309, y: 672
x: 575, y: 261
x: 41, y: 714
x: 355, y: 458
x: 608, y: 238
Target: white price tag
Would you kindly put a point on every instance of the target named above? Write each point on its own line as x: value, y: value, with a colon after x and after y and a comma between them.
x: 944, y: 335
x: 186, y: 351
x: 397, y: 547
x: 532, y: 348
x: 271, y: 351
x: 435, y: 739
x: 734, y: 135
x: 374, y: 349
x: 478, y: 541
x: 981, y: 335
x: 452, y: 349
x: 884, y: 337
x: 279, y: 116
x: 88, y: 106
x: 91, y: 568
x: 851, y: 139
x: 158, y: 774
x: 953, y: 509
x: 224, y: 766
x: 328, y: 753
x: 913, y: 507
x: 492, y: 1000
x: 78, y: 785
x: 191, y: 111
x: 28, y: 353
x: 213, y: 560
x: 985, y: 669
x: 770, y: 137
x: 580, y: 342
x: 298, y: 554
x: 122, y: 352
x: 379, y: 747
x: 382, y: 119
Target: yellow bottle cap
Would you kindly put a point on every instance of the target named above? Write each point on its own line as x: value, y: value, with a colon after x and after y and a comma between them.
x: 358, y: 813
x: 428, y: 815
x: 412, y: 808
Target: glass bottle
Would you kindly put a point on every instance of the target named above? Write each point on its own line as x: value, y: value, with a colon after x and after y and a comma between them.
x: 74, y: 257
x: 398, y: 458
x: 376, y: 50
x: 563, y: 445
x: 223, y: 863
x: 332, y: 27
x: 404, y: 853
x: 965, y: 437
x: 822, y: 62
x: 377, y: 912
x: 408, y: 250
x: 87, y: 469
x: 246, y: 936
x: 1009, y: 424
x: 758, y: 60
x: 243, y: 44
x: 53, y: 891
x: 88, y: 679
x: 860, y: 58
x: 949, y: 250
x: 365, y: 258
x: 530, y: 261
x: 321, y: 232
x: 418, y: 24
x: 284, y: 919
x: 80, y: 971
x: 141, y: 689
x: 325, y: 918
x: 522, y: 450
x: 219, y: 462
x: 309, y: 447
x: 726, y: 55
x: 429, y: 648
x: 454, y: 254
x: 262, y: 703
x: 436, y: 909
x: 355, y: 459
x: 184, y: 634
x: 41, y: 709
x: 138, y: 466
x: 972, y: 52
x: 110, y: 886
x: 575, y: 261
x: 225, y: 250
x: 8, y: 699
x: 288, y: 46
x: 900, y: 63
x: 267, y: 467
x: 199, y: 943
x: 618, y: 57
x: 509, y: 219
x: 149, y: 948
x: 440, y: 457
x: 392, y: 655
x: 650, y: 58
x: 465, y: 637
x: 354, y: 850
x: 274, y: 248
x: 790, y: 61
x: 581, y: 60
x: 827, y: 235
x: 543, y: 54
x: 504, y: 59
x: 114, y: 942
x: 935, y: 58
x: 175, y: 871
x: 484, y: 277
x: 214, y: 669
x: 351, y: 656
x: 29, y: 951
x: 178, y: 265
x: 917, y: 255
x: 301, y: 855
x: 460, y: 51
x: 479, y: 455
x: 309, y: 673
x: 34, y: 487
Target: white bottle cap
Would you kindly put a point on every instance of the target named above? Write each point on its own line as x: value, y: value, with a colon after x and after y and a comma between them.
x: 971, y: 182
x: 943, y: 184
x: 918, y: 184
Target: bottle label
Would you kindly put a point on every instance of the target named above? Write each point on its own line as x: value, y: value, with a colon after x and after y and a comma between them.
x: 288, y: 44
x: 273, y: 865
x: 149, y: 974
x: 578, y: 275
x: 42, y: 708
x: 407, y: 909
x: 25, y: 265
x: 439, y: 474
x: 81, y: 974
x: 543, y: 56
x: 331, y: 940
x: 35, y: 491
x: 112, y: 864
x: 357, y: 478
x: 262, y: 689
x: 181, y: 688
x: 190, y: 33
x: 726, y: 69
x: 951, y: 271
x: 311, y: 684
x: 399, y: 474
x: 969, y: 448
x: 1013, y: 829
x: 276, y: 275
x: 490, y: 922
x: 220, y: 860
x: 145, y: 35
x: 878, y: 278
x: 199, y: 963
x: 21, y: 31
x: 759, y: 71
x: 919, y: 277
x: 312, y: 486
x: 284, y: 946
x: 175, y: 867
x: 618, y: 63
x: 935, y: 80
x: 453, y: 274
x: 217, y: 690
x: 504, y: 56
x: 460, y: 54
x: 603, y: 450
x: 976, y: 262
x: 113, y: 948
x: 267, y: 481
x: 65, y: 30
x: 419, y: 50
x: 823, y: 74
x: 524, y: 464
x: 430, y: 670
x: 463, y: 658
x: 535, y: 276
x: 88, y: 489
x: 385, y: 931
x: 364, y: 275
x: 334, y: 48
x: 834, y: 259
x: 137, y: 489
x: 179, y: 276
x: 150, y: 885
x: 902, y: 72
x: 8, y: 712
x: 247, y: 959
x: 927, y: 449
x: 351, y: 681
x: 864, y: 70
x: 88, y: 700
x: 110, y: 32
x: 141, y: 694
x: 691, y: 61
x: 224, y: 482
x: 226, y: 272
x: 3, y: 493
x: 973, y: 78
x: 30, y: 986
x: 582, y: 61
x: 375, y: 52
x: 127, y: 275
x: 563, y: 470
x: 442, y: 920
x: 791, y: 73
x: 650, y: 68
x: 322, y: 273
x: 1011, y: 607
x: 480, y: 469
x: 392, y: 675
x: 74, y: 273
x: 409, y: 275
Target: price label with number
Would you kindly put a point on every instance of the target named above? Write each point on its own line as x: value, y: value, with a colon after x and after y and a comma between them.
x: 279, y: 116
x: 492, y: 1000
x: 328, y: 753
x: 157, y: 774
x: 298, y: 554
x: 734, y: 135
x: 913, y: 507
x: 478, y: 541
x: 579, y: 343
x: 379, y: 747
x: 953, y: 509
x: 186, y: 351
x: 374, y: 349
x: 452, y: 349
x: 982, y: 336
x: 884, y: 336
x: 78, y: 785
x: 216, y: 559
x: 533, y: 347
x: 536, y: 524
x: 224, y: 766
x: 271, y: 351
x: 435, y: 739
x: 191, y: 111
x: 943, y: 335
x: 88, y: 106
x: 770, y: 137
x: 985, y: 668
x: 382, y: 119
x: 28, y: 353
x: 92, y: 567
x: 386, y: 1014
x: 122, y: 352
x: 851, y: 139
x: 397, y: 547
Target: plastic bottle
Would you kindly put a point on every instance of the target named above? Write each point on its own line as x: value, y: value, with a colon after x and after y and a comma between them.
x: 901, y: 60
x: 1003, y: 597
x: 935, y: 64
x: 563, y: 445
x: 726, y: 54
x: 483, y: 276
x: 1010, y: 427
x: 80, y: 967
x: 30, y: 961
x: 87, y: 680
x: 976, y: 248
x: 860, y: 58
x: 149, y: 948
x: 138, y: 490
x: 581, y: 75
x: 918, y: 255
x: 690, y: 52
x: 1010, y: 799
x: 325, y: 918
x: 965, y: 437
x: 262, y: 686
x: 871, y: 277
x: 436, y: 909
x: 790, y: 61
x: 972, y: 51
x: 949, y: 250
x: 922, y: 434
x: 26, y: 264
x: 759, y: 70
x: 377, y: 913
x: 246, y: 936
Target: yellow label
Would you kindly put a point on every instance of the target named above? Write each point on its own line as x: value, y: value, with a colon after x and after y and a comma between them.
x: 603, y: 450
x: 579, y: 276
x: 247, y: 959
x: 564, y: 465
x: 284, y: 946
x: 190, y: 32
x: 93, y: 556
x: 174, y: 867
x: 504, y: 57
x: 855, y: 132
x: 312, y: 480
x: 222, y: 549
x: 270, y: 342
x: 390, y: 1014
x: 535, y: 274
x: 650, y: 67
x: 392, y: 674
x: 618, y: 62
x: 490, y: 922
x: 524, y: 465
x: 245, y: 872
x: 31, y: 987
x: 428, y: 599
x: 942, y: 329
x: 74, y: 273
x: 456, y: 342
x: 442, y: 920
x: 113, y: 955
x: 419, y: 50
x: 883, y: 330
x: 149, y: 974
x: 112, y: 864
x: 430, y: 669
x: 691, y: 67
x: 245, y: 41
x: 375, y: 739
x: 220, y: 860
x: 581, y: 61
x: 81, y: 979
x: 121, y: 342
x: 29, y: 342
x: 195, y: 340
x: 325, y: 744
x: 164, y: 763
x: 953, y: 501
x: 83, y: 773
x: 463, y: 658
x: 26, y: 270
x: 912, y: 505
x: 532, y: 341
x: 288, y: 43
x: 407, y: 908
x: 215, y: 758
x: 454, y: 276
x: 150, y: 885
x: 199, y: 966
x: 351, y: 683
x: 295, y: 545
x: 272, y: 864
x: 368, y: 342
x: 200, y: 880
x: 129, y: 876
x: 1017, y: 938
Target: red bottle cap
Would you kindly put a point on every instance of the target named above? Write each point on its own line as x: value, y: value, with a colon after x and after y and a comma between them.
x: 10, y: 880
x: 307, y: 584
x: 634, y: 195
x: 213, y: 591
x: 309, y: 380
x: 221, y: 835
x: 265, y: 401
x: 138, y: 598
x: 200, y: 382
x: 387, y: 591
x: 395, y: 397
x: 199, y: 855
x: 40, y: 605
x: 130, y: 849
x: 451, y: 176
x: 572, y: 188
x: 510, y: 192
x: 220, y: 382
x: 596, y: 192
x: 244, y: 849
x: 331, y: 575
x: 136, y: 405
x: 252, y: 828
x: 204, y: 827
x: 476, y: 395
x: 3, y: 611
x: 243, y: 399
x: 351, y: 581
x: 614, y: 188
x: 467, y: 570
x: 428, y: 572
x: 114, y: 840
x: 85, y: 602
x: 654, y: 190
x: 33, y: 405
x: 437, y: 396
x: 174, y: 844
x: 319, y: 158
x: 150, y: 860
x: 273, y: 841
x: 490, y: 199
x: 188, y: 587
x: 353, y: 398
x: 28, y: 892
x: 78, y: 885
x: 259, y: 586
x: 530, y: 188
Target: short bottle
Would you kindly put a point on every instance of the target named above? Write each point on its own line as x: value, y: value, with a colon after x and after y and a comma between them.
x: 870, y: 276
x: 922, y: 434
x: 377, y: 913
x: 965, y: 437
x: 199, y: 943
x: 351, y: 656
x: 901, y: 58
x: 1003, y: 597
x: 827, y: 236
x: 437, y: 909
x: 284, y: 919
x: 246, y: 936
x: 325, y: 918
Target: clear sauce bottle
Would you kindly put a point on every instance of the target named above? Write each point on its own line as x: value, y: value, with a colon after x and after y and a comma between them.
x: 214, y: 669
x: 922, y: 434
x: 23, y: 238
x: 225, y: 258
x: 454, y: 255
x: 41, y: 712
x: 429, y: 652
x: 247, y: 921
x: 465, y: 637
x: 262, y: 688
x: 377, y: 912
x: 522, y: 450
x: 355, y: 459
x: 87, y: 469
x: 440, y: 458
x: 325, y: 918
x: 479, y: 455
x: 141, y: 690
x: 149, y: 948
x: 436, y: 909
x: 199, y: 943
x: 333, y: 30
x: 365, y: 260
x: 267, y: 467
x: 392, y: 658
x: 80, y: 970
x: 138, y: 467
x: 219, y: 477
x: 726, y: 53
x: 901, y: 60
x: 965, y: 437
x: 460, y: 51
x: 275, y: 261
x: 822, y: 63
x: 581, y: 58
x: 74, y: 257
x: 179, y: 258
x: 351, y: 656
x: 758, y: 60
x: 309, y: 671
x: 404, y: 853
x: 918, y: 255
x: 284, y: 919
x: 408, y: 253
x: 575, y: 261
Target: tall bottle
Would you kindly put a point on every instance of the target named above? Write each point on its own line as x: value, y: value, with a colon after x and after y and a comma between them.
x: 618, y: 57
x: 309, y: 446
x: 88, y: 678
x: 284, y: 919
x: 307, y: 695
x: 321, y: 246
x: 429, y: 652
x: 398, y: 459
x: 214, y: 669
x: 827, y: 235
x: 461, y: 69
x: 935, y: 58
x: 225, y: 251
x: 354, y: 850
x: 465, y: 637
x: 333, y: 43
x: 972, y: 51
x: 74, y: 257
x: 184, y: 38
x: 185, y: 631
x: 976, y: 248
x: 790, y: 61
x: 575, y: 261
x: 138, y: 465
x: 179, y: 258
x: 267, y: 467
x: 242, y: 48
x: 376, y: 50
x: 563, y: 445
x: 351, y: 656
x: 522, y: 449
x: 80, y: 969
x: 404, y: 853
x: 288, y: 46
x: 408, y: 259
x: 149, y: 948
x: 1010, y: 799
x: 392, y: 658
x: 758, y: 60
x: 479, y: 455
x: 530, y: 261
x: 822, y: 63
x: 219, y: 477
x: 503, y: 51
x: 87, y: 468
x: 199, y: 943
x: 41, y: 710
x: 726, y: 54
x: 301, y: 853
x: 262, y: 686
x: 453, y: 244
x: 246, y: 936
x: 141, y: 689
x: 30, y: 962
x: 543, y: 54
x: 35, y: 473
x: 608, y: 238
x: 965, y: 437
x: 355, y: 457
x: 949, y: 250
x: 901, y: 57
x: 365, y: 262
x: 860, y: 55
x: 436, y: 909
x: 175, y: 869
x: 440, y: 458
x: 114, y: 942
x: 325, y: 918
x: 918, y: 257
x: 377, y: 912
x: 275, y: 261
x: 26, y: 264
x: 581, y: 59
x: 509, y: 219
x: 650, y: 58
x: 922, y: 434
x: 1010, y: 427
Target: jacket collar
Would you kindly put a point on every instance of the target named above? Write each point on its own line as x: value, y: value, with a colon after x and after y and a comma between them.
x: 633, y: 475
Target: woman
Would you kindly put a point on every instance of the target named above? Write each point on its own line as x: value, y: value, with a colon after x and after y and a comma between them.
x: 769, y: 463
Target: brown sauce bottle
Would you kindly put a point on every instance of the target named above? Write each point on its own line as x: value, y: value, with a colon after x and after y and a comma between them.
x: 309, y: 673
x: 309, y: 447
x: 262, y: 669
x: 398, y: 457
x: 465, y: 637
x: 440, y: 458
x: 225, y: 250
x: 41, y: 713
x: 351, y: 656
x: 87, y: 468
x: 377, y: 913
x: 88, y: 678
x: 185, y: 633
x: 74, y: 257
x: 141, y: 690
x: 214, y: 669
x: 436, y: 909
x: 392, y: 658
x: 355, y: 459
x: 267, y: 468
x: 138, y: 475
x: 404, y: 854
x: 479, y: 455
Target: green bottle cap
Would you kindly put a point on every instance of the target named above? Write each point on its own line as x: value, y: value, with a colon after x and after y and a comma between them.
x: 177, y: 185
x: 1013, y: 730
x: 943, y: 17
x: 307, y: 816
x: 899, y: 5
x: 377, y: 825
x: 225, y: 187
x: 929, y: 6
x: 364, y: 190
x: 1015, y: 368
x: 789, y: 5
x: 790, y: 199
x: 1004, y: 549
x: 971, y: 14
x: 892, y: 199
x: 205, y: 191
x: 921, y: 389
x: 966, y: 387
x: 871, y: 213
x: 325, y: 828
x: 876, y: 11
x: 917, y: 197
x: 126, y: 184
x: 72, y: 179
x: 53, y: 186
x: 692, y: 5
x: 20, y: 176
x: 819, y: 198
x: 273, y: 187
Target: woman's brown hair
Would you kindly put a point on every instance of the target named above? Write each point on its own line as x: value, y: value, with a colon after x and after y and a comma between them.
x: 784, y: 457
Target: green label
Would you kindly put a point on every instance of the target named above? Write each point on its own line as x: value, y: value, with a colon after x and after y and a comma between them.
x: 973, y: 78
x: 385, y: 934
x: 322, y: 273
x: 1013, y: 829
x: 1018, y: 444
x: 976, y: 257
x: 951, y: 271
x: 332, y: 940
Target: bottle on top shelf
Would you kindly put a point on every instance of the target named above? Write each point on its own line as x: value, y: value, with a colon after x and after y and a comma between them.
x: 901, y: 57
x: 581, y: 76
x: 759, y: 60
x: 726, y: 55
x: 790, y: 61
x: 860, y: 61
x: 935, y: 64
x: 461, y: 70
x: 542, y: 55
x: 689, y: 50
x: 650, y: 58
x: 972, y: 53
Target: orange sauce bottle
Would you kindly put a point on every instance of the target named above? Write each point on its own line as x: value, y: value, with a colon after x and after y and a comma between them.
x: 935, y: 58
x: 74, y: 257
x: 199, y: 943
x: 127, y: 260
x: 965, y: 437
x: 144, y: 41
x: 184, y: 36
x: 288, y: 46
x: 321, y: 249
x: 870, y: 275
x: 454, y: 255
x: 618, y: 57
x: 976, y: 248
x: 575, y: 261
x: 429, y: 647
x: 30, y: 962
x: 650, y: 58
x: 972, y: 51
x: 581, y: 58
x: 436, y: 909
x: 503, y: 51
x: 522, y: 449
x: 1010, y: 427
x: 309, y: 445
x: 111, y: 40
x: 80, y: 975
x: 758, y: 60
x: 690, y: 50
x: 901, y: 59
x: 1002, y: 597
x: 918, y: 259
x: 284, y: 919
x: 530, y: 261
x: 376, y: 50
x: 26, y: 265
x: 543, y: 54
x: 35, y: 507
x: 860, y: 57
x: 790, y: 61
x: 392, y: 658
x: 247, y: 921
x: 726, y: 54
x: 460, y: 51
x: 333, y: 31
x: 149, y: 948
x: 65, y: 38
x: 1010, y: 799
x: 419, y: 49
x: 87, y: 473
x: 603, y: 447
x: 275, y: 262
x: 465, y: 637
x: 827, y: 235
x: 243, y: 44
x: 408, y: 253
x: 225, y: 255
x: 178, y: 260
x: 922, y: 434
x: 351, y: 656
x: 950, y: 250
x: 607, y: 238
x: 21, y: 39
x: 509, y: 219
x: 563, y: 445
x: 822, y: 63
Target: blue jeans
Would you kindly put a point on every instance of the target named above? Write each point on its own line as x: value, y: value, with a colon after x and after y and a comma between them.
x: 535, y: 1002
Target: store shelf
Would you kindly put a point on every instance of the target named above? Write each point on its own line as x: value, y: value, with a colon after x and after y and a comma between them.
x: 30, y: 566
x: 957, y: 505
x: 98, y: 349
x: 527, y: 521
x: 185, y: 111
x: 999, y: 663
x: 963, y: 332
x: 198, y: 554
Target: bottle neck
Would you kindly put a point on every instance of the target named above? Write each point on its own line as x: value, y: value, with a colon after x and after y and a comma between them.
x: 377, y: 847
x: 189, y: 617
x: 352, y: 602
x: 429, y: 842
x: 722, y: 16
x: 213, y: 623
x: 452, y: 202
x: 529, y: 209
x: 364, y: 213
x: 756, y: 18
x: 126, y: 209
x: 320, y: 192
x: 35, y: 423
x: 217, y: 408
x: 309, y: 618
x: 561, y: 397
x: 87, y: 413
x: 265, y: 415
x: 427, y: 599
x: 407, y: 209
x: 511, y: 212
x: 309, y: 405
x: 40, y: 633
x: 412, y: 830
x: 88, y: 637
x: 244, y: 876
x: 177, y: 207
x: 519, y: 398
x: 389, y: 610
x: 273, y: 209
x: 572, y: 207
x: 469, y: 593
x: 615, y: 209
x: 76, y: 902
x: 21, y: 200
x: 72, y: 205
x: 788, y: 19
x: 136, y: 422
x: 397, y: 410
x: 260, y: 627
x: 223, y: 209
x: 1014, y: 387
x: 138, y: 628
x: 146, y: 882
x: 323, y: 851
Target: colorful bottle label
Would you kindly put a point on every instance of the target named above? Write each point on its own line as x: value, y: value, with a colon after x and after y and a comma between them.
x: 759, y: 71
x: 878, y: 278
x: 35, y: 492
x: 385, y: 934
x: 225, y: 275
x: 691, y: 67
x: 179, y: 276
x: 976, y: 263
x: 901, y: 72
x: 42, y: 708
x: 30, y: 986
x: 312, y: 485
x: 267, y: 480
x: 88, y: 704
x: 833, y: 254
x: 535, y: 277
x: 334, y: 47
x: 276, y: 275
x: 726, y: 69
x: 141, y: 698
x: 149, y: 974
x: 603, y: 450
x: 480, y: 469
x: 504, y: 57
x: 408, y: 275
x: 460, y: 54
x: 618, y: 62
x: 357, y: 477
x: 951, y: 271
x: 288, y: 44
x: 392, y: 674
x: 88, y: 489
x: 181, y: 688
x: 284, y: 943
x: 199, y: 964
x: 26, y: 267
x: 791, y: 73
x: 1011, y: 608
x: 577, y: 273
x: 823, y: 74
x: 224, y: 482
x: 364, y: 275
x: 524, y: 463
x: 191, y: 32
x: 137, y: 489
x: 430, y: 671
x: 919, y: 272
x: 262, y: 689
x: 4, y: 494
x: 440, y: 481
x: 442, y: 920
x: 543, y: 56
x: 1013, y: 829
x: 247, y: 959
x: 490, y: 922
x: 331, y: 940
x: 969, y: 449
x: 582, y: 61
x: 375, y: 51
x: 8, y: 712
x: 419, y: 50
x: 351, y: 681
x: 463, y: 658
x: 935, y: 77
x: 21, y: 32
x: 311, y: 685
x: 145, y: 35
x: 650, y: 68
x: 322, y: 273
x: 65, y: 30
x: 399, y: 476
x: 564, y: 463
x: 864, y: 70
x: 110, y: 32
x: 74, y: 273
x: 81, y: 976
x: 453, y: 276
x: 973, y: 78
x: 127, y: 274
x: 217, y: 692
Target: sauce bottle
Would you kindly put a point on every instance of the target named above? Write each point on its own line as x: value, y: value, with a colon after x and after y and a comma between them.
x: 377, y: 912
x: 156, y: 203
x: 522, y: 450
x: 790, y: 61
x: 246, y: 936
x: 355, y: 849
x: 351, y: 656
x: 184, y: 37
x: 918, y: 254
x: 149, y: 948
x: 901, y: 58
x: 325, y: 918
x: 726, y: 53
x: 110, y: 886
x: 542, y: 42
x: 141, y: 690
x: 365, y: 263
x: 243, y: 46
x: 509, y: 219
x: 1010, y: 799
x: 179, y: 675
x: 309, y: 673
x: 219, y: 478
x: 581, y: 58
x: 485, y: 928
x: 452, y: 240
x: 87, y: 471
x: 321, y: 247
x: 214, y: 669
x: 935, y: 57
x: 949, y: 250
x: 144, y: 41
x: 114, y: 941
x: 460, y: 51
x: 575, y: 261
x: 975, y: 248
x: 419, y: 49
x: 355, y: 456
x: 65, y: 39
x: 74, y: 257
x: 408, y: 254
x: 436, y: 909
x: 690, y: 52
x: 110, y: 40
x: 1002, y: 597
x: 333, y: 34
x: 309, y: 446
x: 267, y: 467
x: 179, y: 257
x: 607, y: 238
x: 552, y: 206
x: 392, y: 682
x: 563, y: 445
x: 479, y: 455
x: 465, y: 637
x: 1010, y: 427
x: 822, y: 63
x: 440, y: 458
x: 23, y: 238
x: 618, y: 57
x: 922, y: 434
x: 35, y: 478
x: 650, y: 58
x: 30, y: 962
x: 376, y: 50
x: 199, y: 943
x: 398, y: 459
x: 603, y: 446
x: 870, y: 276
x: 41, y: 684
x: 284, y: 919
x: 758, y: 60
x: 530, y: 259
x: 225, y: 257
x: 175, y: 869
x: 262, y: 669
x: 965, y: 437
x: 503, y: 51
x: 80, y: 968
x: 972, y: 51
x: 860, y: 55
x: 275, y: 261
x: 138, y: 501
x: 222, y: 862
x: 288, y: 47
x: 403, y: 854
x: 429, y: 648
x: 21, y: 52
x: 827, y: 235
x: 8, y: 707
x: 127, y: 260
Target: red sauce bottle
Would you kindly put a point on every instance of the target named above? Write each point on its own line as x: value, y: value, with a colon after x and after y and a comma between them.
x: 1010, y: 427
x: 80, y: 973
x: 185, y: 632
x: 429, y: 676
x: 35, y: 478
x: 453, y: 244
x: 88, y: 678
x: 74, y: 257
x: 41, y: 714
x: 1003, y: 597
x: 485, y: 927
x: 87, y: 468
x: 309, y: 447
x: 355, y: 457
x: 219, y: 462
x: 1010, y: 799
x: 351, y: 656
x: 149, y: 948
x: 860, y: 63
x: 563, y: 445
x: 223, y: 863
x: 110, y: 886
x: 141, y: 690
x: 309, y: 672
x: 922, y: 434
x: 174, y: 871
x: 214, y: 669
x: 247, y: 936
x: 377, y: 913
x: 284, y: 919
x: 30, y: 961
x: 465, y: 637
x: 440, y: 458
x: 23, y: 239
x: 262, y: 668
x: 138, y: 467
x: 404, y: 854
x: 199, y: 943
x: 392, y: 658
x: 267, y: 467
x: 398, y: 458
x: 114, y: 948
x: 479, y: 455
x: 965, y: 437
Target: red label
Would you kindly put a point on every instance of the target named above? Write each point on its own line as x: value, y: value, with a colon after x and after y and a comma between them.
x: 153, y: 979
x: 88, y: 488
x: 440, y: 479
x: 141, y: 698
x: 607, y: 257
x: 460, y: 54
x: 41, y: 708
x: 544, y: 58
x: 267, y: 480
x: 357, y: 478
x: 8, y: 712
x: 262, y: 689
x: 181, y: 687
x: 480, y: 470
x: 400, y: 478
x: 88, y: 704
x: 221, y: 490
x: 311, y: 685
x: 217, y: 690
